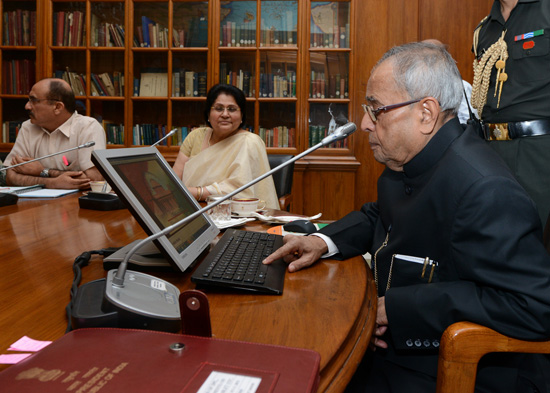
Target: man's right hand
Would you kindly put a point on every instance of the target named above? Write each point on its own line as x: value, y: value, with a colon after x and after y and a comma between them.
x: 299, y: 251
x: 69, y: 180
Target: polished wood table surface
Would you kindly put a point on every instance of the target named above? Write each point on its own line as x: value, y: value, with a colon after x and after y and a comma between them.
x: 329, y: 307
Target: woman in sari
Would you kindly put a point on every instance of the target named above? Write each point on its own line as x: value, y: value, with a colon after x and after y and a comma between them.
x: 218, y: 159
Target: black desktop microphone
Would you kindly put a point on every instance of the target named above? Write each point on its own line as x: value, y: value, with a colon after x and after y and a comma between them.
x: 11, y: 199
x: 147, y: 302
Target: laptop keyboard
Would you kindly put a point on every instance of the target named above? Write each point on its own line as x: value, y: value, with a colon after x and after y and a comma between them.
x: 236, y: 262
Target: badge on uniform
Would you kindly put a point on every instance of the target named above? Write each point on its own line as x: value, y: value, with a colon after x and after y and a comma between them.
x: 526, y: 36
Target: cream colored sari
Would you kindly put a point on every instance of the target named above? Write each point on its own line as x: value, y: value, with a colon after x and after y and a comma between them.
x: 228, y: 164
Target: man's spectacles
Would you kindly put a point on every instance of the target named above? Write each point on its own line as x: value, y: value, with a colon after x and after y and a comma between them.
x: 230, y: 109
x: 34, y: 100
x: 374, y: 112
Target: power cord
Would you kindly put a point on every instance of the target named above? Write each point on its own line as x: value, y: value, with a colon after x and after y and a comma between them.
x: 81, y: 261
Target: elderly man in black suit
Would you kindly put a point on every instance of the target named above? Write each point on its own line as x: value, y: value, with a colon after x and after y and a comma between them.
x: 453, y: 236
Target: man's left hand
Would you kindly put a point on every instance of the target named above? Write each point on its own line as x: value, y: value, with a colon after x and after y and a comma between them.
x: 381, y: 323
x: 32, y: 169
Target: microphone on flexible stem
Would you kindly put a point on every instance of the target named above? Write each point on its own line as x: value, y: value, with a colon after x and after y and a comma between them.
x: 84, y: 145
x: 12, y: 198
x: 164, y: 137
x: 133, y: 299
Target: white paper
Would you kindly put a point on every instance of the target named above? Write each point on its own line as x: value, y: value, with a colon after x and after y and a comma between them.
x: 218, y: 382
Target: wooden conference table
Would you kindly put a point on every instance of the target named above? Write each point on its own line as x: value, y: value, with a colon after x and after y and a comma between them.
x: 329, y: 307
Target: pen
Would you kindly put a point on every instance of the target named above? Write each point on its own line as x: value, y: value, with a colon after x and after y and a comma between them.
x: 65, y: 161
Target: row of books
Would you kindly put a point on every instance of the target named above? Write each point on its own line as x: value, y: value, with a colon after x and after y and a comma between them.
x: 272, y: 37
x: 151, y: 34
x: 184, y: 84
x: 278, y: 86
x: 242, y: 79
x: 179, y: 136
x: 187, y: 83
x: 106, y: 34
x: 235, y: 34
x: 198, y: 33
x: 18, y: 76
x: 69, y: 28
x: 19, y: 28
x: 280, y: 136
x: 106, y: 84
x: 114, y: 132
x: 147, y: 134
x: 336, y: 86
x: 283, y: 35
x: 338, y: 39
x: 317, y: 133
x: 76, y: 80
x: 10, y: 129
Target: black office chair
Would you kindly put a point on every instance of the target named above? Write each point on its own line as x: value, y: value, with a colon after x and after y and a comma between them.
x: 282, y: 179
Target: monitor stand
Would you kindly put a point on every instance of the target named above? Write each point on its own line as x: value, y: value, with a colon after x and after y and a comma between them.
x: 147, y: 258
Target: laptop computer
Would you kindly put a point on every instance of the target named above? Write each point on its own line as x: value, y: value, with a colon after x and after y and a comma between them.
x: 157, y: 198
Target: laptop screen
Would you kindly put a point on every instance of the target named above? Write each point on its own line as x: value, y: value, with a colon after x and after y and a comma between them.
x: 143, y: 179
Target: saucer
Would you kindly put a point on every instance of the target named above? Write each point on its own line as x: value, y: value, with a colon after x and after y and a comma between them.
x: 247, y: 214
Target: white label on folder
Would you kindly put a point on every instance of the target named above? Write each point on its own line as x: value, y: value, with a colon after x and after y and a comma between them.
x: 158, y: 285
x: 218, y: 382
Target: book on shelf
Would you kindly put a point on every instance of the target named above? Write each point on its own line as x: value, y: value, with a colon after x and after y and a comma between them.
x: 118, y: 83
x: 178, y: 38
x: 146, y: 26
x: 108, y: 83
x: 202, y: 84
x: 153, y: 84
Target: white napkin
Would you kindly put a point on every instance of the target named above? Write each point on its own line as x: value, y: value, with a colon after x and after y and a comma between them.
x: 282, y: 219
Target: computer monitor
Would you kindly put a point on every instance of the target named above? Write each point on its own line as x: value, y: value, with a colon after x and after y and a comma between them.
x: 157, y: 198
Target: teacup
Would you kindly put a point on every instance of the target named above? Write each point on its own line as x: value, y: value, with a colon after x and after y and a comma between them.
x: 97, y: 186
x: 246, y: 206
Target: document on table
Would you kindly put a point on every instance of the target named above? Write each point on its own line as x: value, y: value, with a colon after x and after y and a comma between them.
x: 47, y: 193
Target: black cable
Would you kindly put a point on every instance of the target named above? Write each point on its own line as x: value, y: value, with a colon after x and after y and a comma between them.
x: 79, y: 262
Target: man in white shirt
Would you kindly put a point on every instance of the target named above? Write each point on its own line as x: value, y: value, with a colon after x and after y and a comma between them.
x: 54, y: 126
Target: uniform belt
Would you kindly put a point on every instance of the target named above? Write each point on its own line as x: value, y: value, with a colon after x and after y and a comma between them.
x: 519, y: 129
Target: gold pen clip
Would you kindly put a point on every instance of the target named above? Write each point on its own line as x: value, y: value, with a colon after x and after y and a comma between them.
x: 433, y: 264
x: 426, y: 261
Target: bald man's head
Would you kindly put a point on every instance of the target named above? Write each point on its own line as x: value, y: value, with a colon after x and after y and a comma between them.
x: 60, y: 90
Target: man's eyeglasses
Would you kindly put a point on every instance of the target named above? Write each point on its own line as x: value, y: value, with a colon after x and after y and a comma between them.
x: 374, y: 112
x: 34, y: 100
x: 230, y: 109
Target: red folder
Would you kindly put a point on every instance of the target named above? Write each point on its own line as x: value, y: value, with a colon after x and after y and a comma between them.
x: 123, y: 360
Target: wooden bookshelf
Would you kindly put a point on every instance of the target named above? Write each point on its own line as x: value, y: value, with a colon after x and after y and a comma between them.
x: 21, y: 62
x: 132, y: 63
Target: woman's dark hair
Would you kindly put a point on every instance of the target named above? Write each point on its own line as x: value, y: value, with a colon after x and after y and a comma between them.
x: 232, y: 91
x: 59, y: 92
